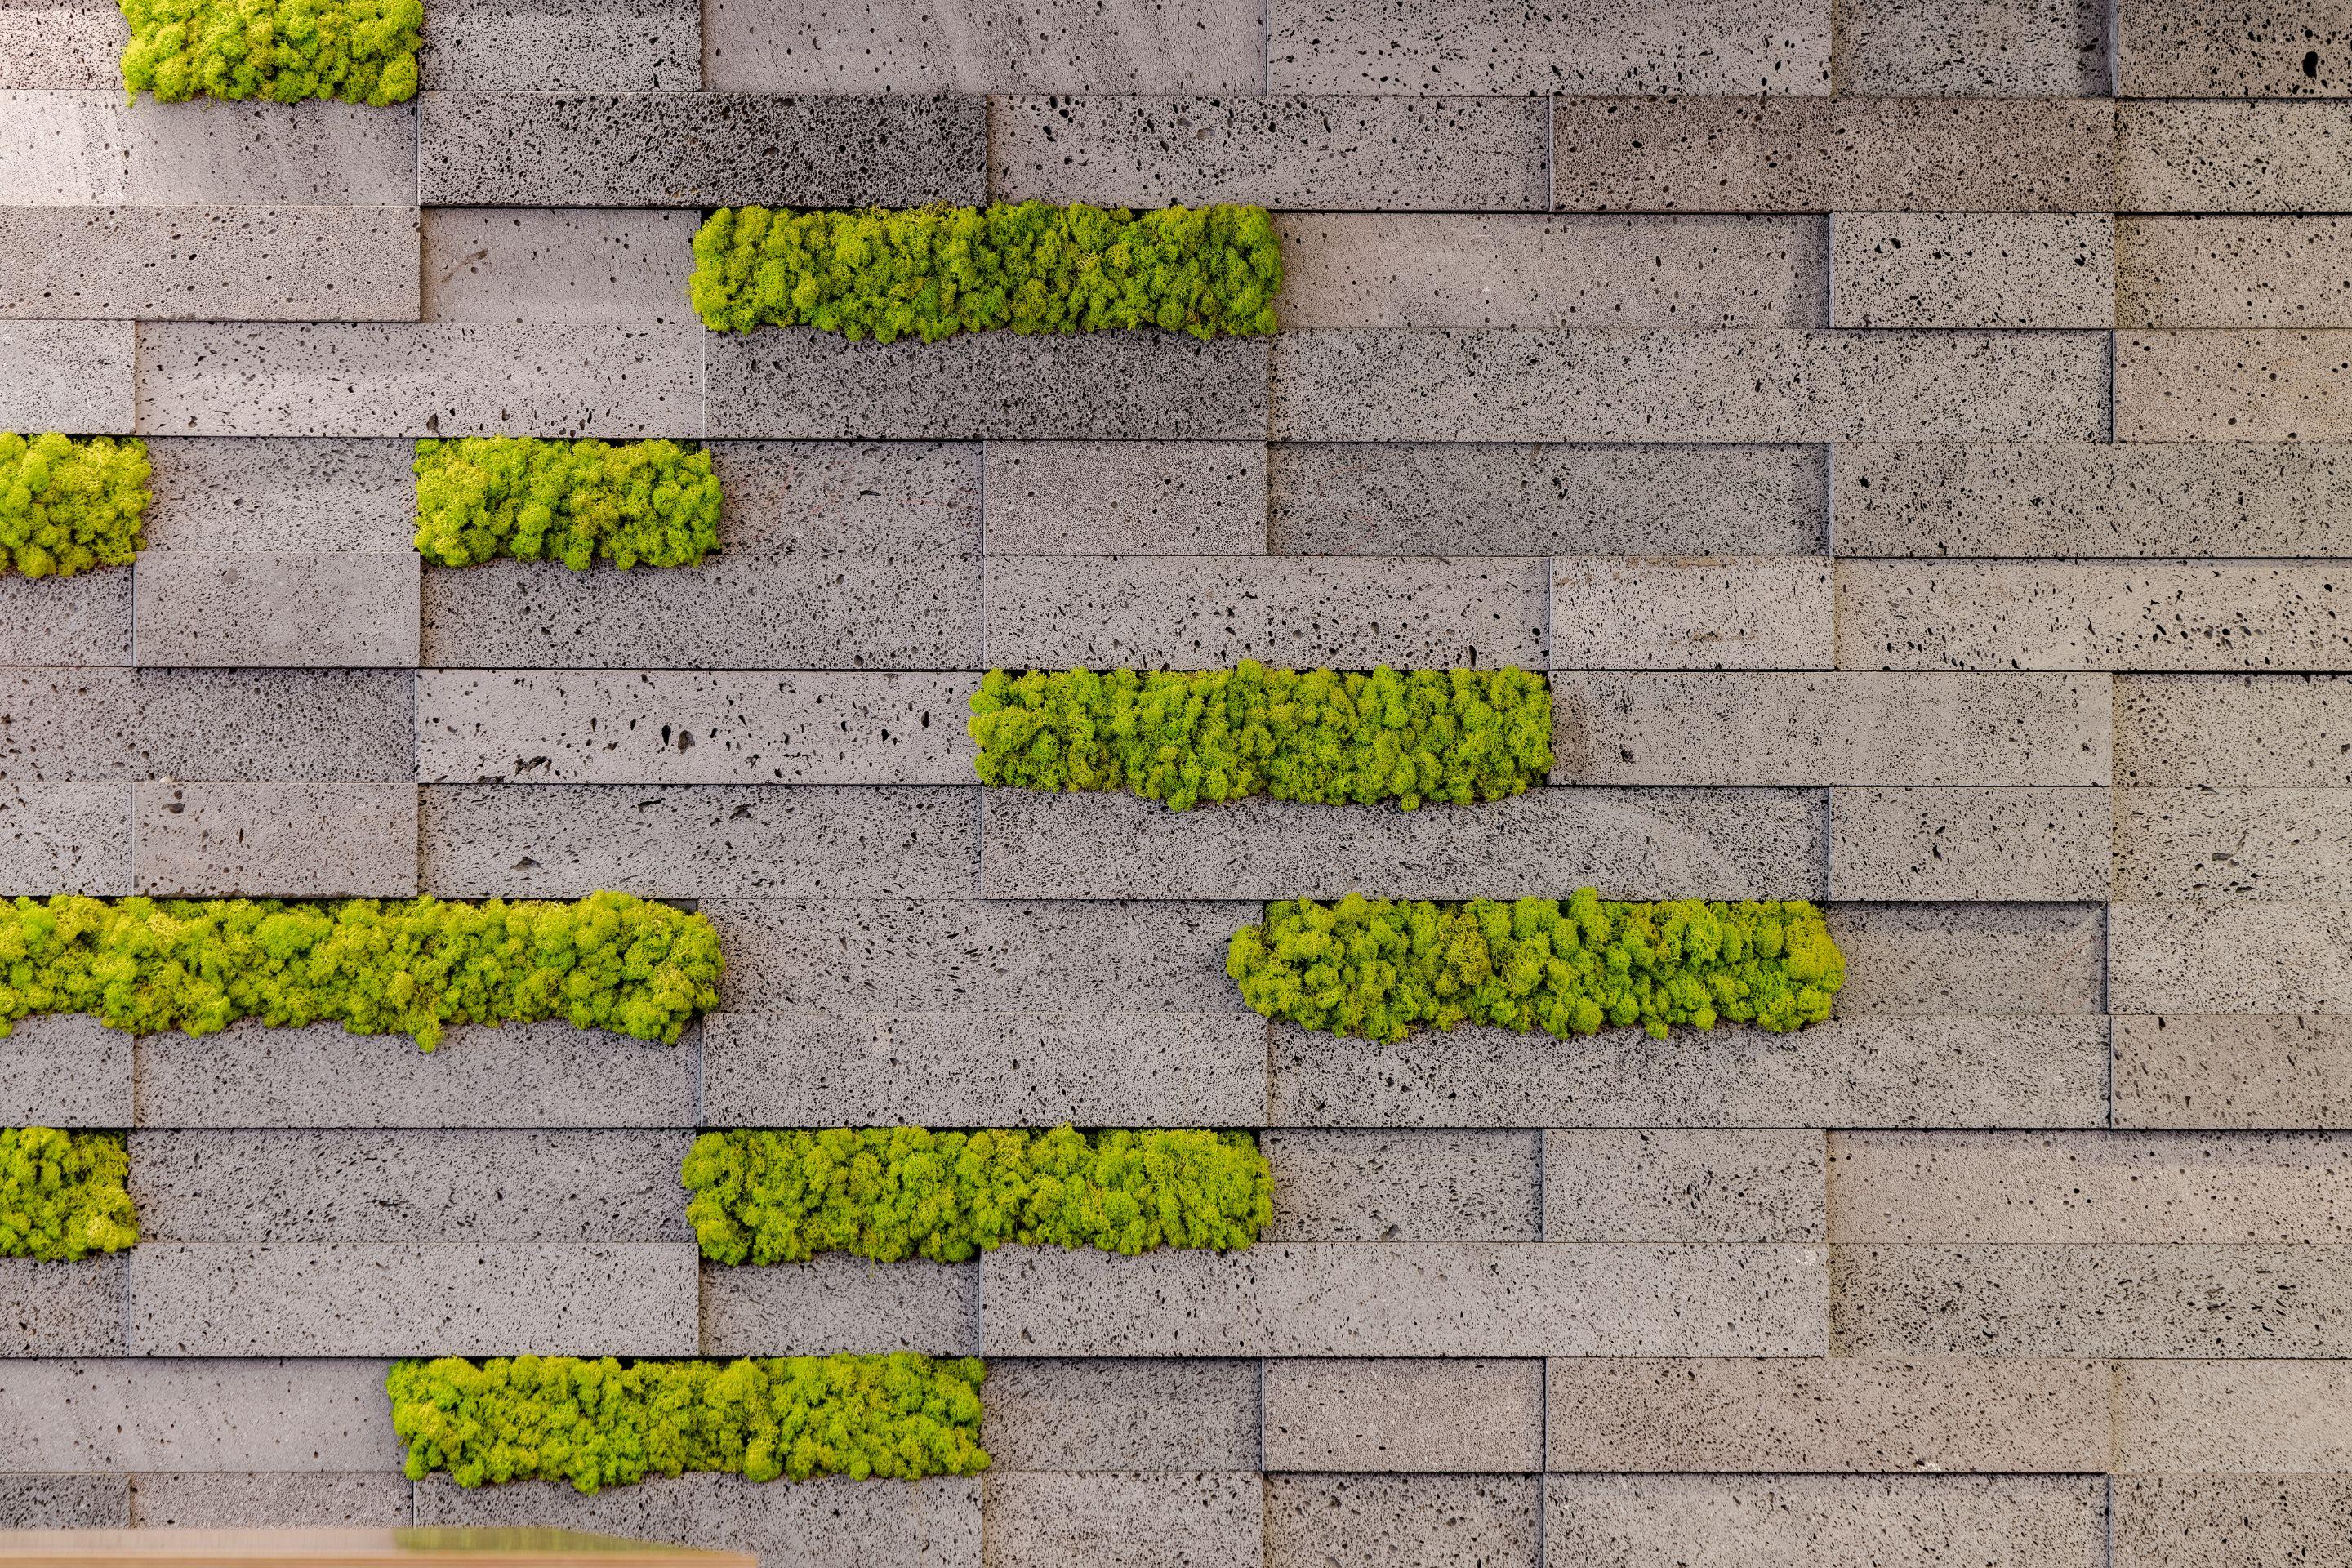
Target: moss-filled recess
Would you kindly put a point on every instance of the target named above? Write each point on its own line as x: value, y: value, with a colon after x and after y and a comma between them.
x: 1030, y: 266
x: 412, y: 966
x: 69, y: 505
x: 1380, y: 968
x: 360, y: 51
x: 1456, y: 736
x: 632, y: 503
x: 601, y: 1423
x: 892, y: 1193
x: 61, y: 1195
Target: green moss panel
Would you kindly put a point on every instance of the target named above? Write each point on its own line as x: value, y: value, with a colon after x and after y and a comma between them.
x: 356, y: 51
x: 62, y: 1195
x: 69, y: 506
x: 631, y: 503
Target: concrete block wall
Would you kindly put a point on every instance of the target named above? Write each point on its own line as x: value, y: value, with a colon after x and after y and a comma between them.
x: 1912, y: 435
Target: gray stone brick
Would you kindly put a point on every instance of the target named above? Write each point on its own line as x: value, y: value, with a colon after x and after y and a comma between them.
x: 2223, y: 841
x: 197, y: 1415
x: 2229, y: 1521
x: 1469, y: 499
x: 1404, y: 1416
x: 1126, y: 497
x: 2254, y: 731
x: 662, y: 727
x: 265, y: 725
x: 1702, y: 844
x: 435, y: 378
x: 2251, y: 956
x: 570, y: 264
x: 1764, y: 729
x: 61, y: 43
x: 283, y: 840
x: 1828, y: 1414
x: 2223, y: 271
x: 213, y: 1502
x: 2230, y: 386
x: 253, y: 263
x: 697, y: 150
x: 950, y: 1069
x: 67, y: 375
x: 1422, y: 1298
x: 699, y: 841
x: 2244, y: 1070
x: 65, y: 839
x: 983, y: 46
x: 64, y: 725
x: 277, y: 608
x: 64, y: 1503
x: 84, y: 619
x: 1962, y: 844
x: 1758, y: 612
x: 869, y: 497
x: 1970, y: 960
x: 1122, y: 1414
x: 1333, y: 153
x: 1395, y: 1521
x: 1405, y: 1186
x: 1695, y: 1186
x: 834, y: 1302
x: 1947, y: 1071
x: 1973, y: 269
x: 1977, y: 48
x: 2180, y: 48
x: 65, y: 1071
x: 1748, y: 384
x: 182, y: 1298
x: 517, y: 1075
x: 61, y: 1308
x: 1210, y: 613
x: 1097, y: 386
x: 2188, y: 157
x: 92, y: 149
x: 1822, y: 154
x: 522, y: 45
x: 281, y: 493
x: 2186, y: 1417
x: 1147, y: 1520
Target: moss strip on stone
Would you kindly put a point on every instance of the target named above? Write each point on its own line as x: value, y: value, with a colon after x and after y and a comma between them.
x: 354, y: 51
x: 62, y: 1195
x: 631, y: 503
x: 69, y: 506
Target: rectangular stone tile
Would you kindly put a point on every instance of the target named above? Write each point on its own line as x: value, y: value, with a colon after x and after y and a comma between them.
x: 61, y: 1308
x: 84, y: 619
x: 1820, y: 154
x: 92, y: 149
x: 113, y: 724
x: 2253, y: 956
x: 558, y: 264
x: 850, y: 498
x: 1147, y: 1520
x: 771, y: 611
x: 699, y: 841
x: 1416, y: 497
x: 836, y: 1302
x: 1398, y: 1521
x: 1971, y: 844
x: 516, y: 1075
x: 1738, y: 384
x: 2241, y: 1070
x: 1766, y: 729
x: 1697, y: 1186
x: 2179, y: 156
x: 1349, y: 1185
x: 65, y: 839
x: 1765, y: 612
x: 2277, y: 385
x: 65, y: 1071
x: 1339, y: 153
x: 1095, y: 387
x: 1043, y: 1414
x: 2009, y: 1071
x: 280, y: 840
x: 197, y: 1415
x: 2180, y: 48
x: 2224, y: 841
x: 1979, y: 960
x: 449, y: 379
x: 74, y: 376
x: 2227, y: 271
x: 947, y: 1069
x: 1973, y: 269
x: 1126, y: 497
x: 64, y: 1503
x: 275, y: 608
x: 698, y: 149
x: 1986, y: 49
x: 1210, y: 613
x: 217, y: 1502
x: 1404, y: 1416
x: 522, y: 45
x: 62, y: 44
x: 2190, y: 1417
x: 249, y: 493
x: 2252, y: 731
x: 1828, y: 1414
x: 252, y: 263
x: 979, y: 46
x: 183, y: 1299
x: 2229, y: 1521
x: 1632, y: 844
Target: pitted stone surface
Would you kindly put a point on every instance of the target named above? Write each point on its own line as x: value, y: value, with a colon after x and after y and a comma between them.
x: 526, y: 45
x: 92, y: 149
x: 210, y: 263
x: 1406, y: 1186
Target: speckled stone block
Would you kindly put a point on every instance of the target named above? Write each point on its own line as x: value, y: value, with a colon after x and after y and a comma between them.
x: 1685, y: 1186
x: 1210, y: 613
x: 2229, y: 271
x: 2188, y: 157
x: 64, y: 1503
x: 1973, y: 269
x: 1971, y: 843
x: 1828, y: 1414
x: 526, y: 45
x: 1126, y: 497
x: 1973, y: 48
x: 569, y: 265
x: 67, y: 725
x: 306, y: 839
x: 197, y: 1415
x: 248, y: 263
x: 1822, y: 154
x: 84, y: 619
x: 849, y: 498
x: 984, y: 46
x: 2241, y: 1070
x: 64, y: 1069
x: 1970, y: 960
x: 275, y: 608
x: 1405, y: 1417
x: 1333, y: 153
x: 1395, y: 1521
x: 1349, y: 1185
x: 2181, y: 48
x: 54, y: 45
x: 319, y: 1500
x: 74, y: 376
x: 1079, y: 1415
x: 61, y: 1308
x: 2185, y: 1417
x: 838, y: 1302
x: 2233, y: 956
x: 2225, y: 841
x: 65, y: 839
x: 329, y: 498
x: 2282, y: 731
x: 2233, y: 386
x: 1756, y: 612
x: 2230, y: 1521
x: 1731, y: 385
x: 1145, y: 1519
x: 92, y: 149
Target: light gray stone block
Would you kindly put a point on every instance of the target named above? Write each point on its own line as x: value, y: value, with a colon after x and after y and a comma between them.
x: 2222, y: 271
x: 280, y: 840
x: 1686, y: 1186
x: 1756, y: 612
x: 84, y: 619
x: 1126, y: 497
x: 1973, y: 269
x: 2275, y: 385
x: 1096, y: 386
x: 1404, y: 1186
x: 250, y: 493
x: 64, y: 1503
x: 61, y: 1308
x: 698, y: 149
x: 316, y: 1500
x: 1828, y: 1414
x: 1470, y: 499
x: 2190, y: 1417
x: 2180, y: 156
x: 61, y: 43
x: 183, y: 1299
x: 836, y: 1302
x: 853, y: 498
x: 1083, y: 1415
x: 523, y: 46
x: 1210, y: 613
x: 435, y: 378
x: 1038, y: 1519
x: 113, y: 724
x: 1397, y: 1521
x: 197, y: 1415
x: 74, y: 376
x: 699, y: 841
x: 92, y: 149
x: 1547, y: 843
x: 2244, y: 1070
x: 1970, y: 960
x: 2249, y: 956
x: 1477, y: 1417
x: 2004, y: 1071
x: 65, y: 839
x: 569, y: 265
x: 1766, y: 729
x: 1744, y: 385
x: 2179, y: 49
x: 1334, y: 154
x: 1974, y: 49
x: 1823, y: 154
x: 2222, y: 841
x: 65, y: 1071
x: 2229, y: 1521
x: 2252, y: 730
x: 1971, y: 844
x: 277, y: 608
x: 251, y: 263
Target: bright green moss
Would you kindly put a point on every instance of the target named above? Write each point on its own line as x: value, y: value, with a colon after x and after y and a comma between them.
x: 69, y: 506
x: 1033, y: 266
x: 599, y: 1423
x: 391, y: 967
x: 61, y: 1195
x: 1380, y: 968
x: 360, y: 51
x: 1454, y: 736
x: 652, y: 503
x: 890, y: 1192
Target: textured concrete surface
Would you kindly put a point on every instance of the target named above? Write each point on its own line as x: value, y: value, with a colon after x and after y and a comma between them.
x: 1404, y: 1416
x: 290, y: 839
x: 1973, y: 269
x: 226, y: 263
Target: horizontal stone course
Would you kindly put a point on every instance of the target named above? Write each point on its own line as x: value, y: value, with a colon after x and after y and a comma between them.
x: 285, y: 841
x: 2185, y: 156
x: 224, y: 263
x: 1764, y: 612
x: 1895, y: 47
x: 1126, y: 497
x: 2227, y: 1521
x: 82, y: 149
x: 2230, y: 271
x: 1470, y: 1415
x: 2273, y: 386
x: 64, y: 1503
x: 221, y: 1501
x: 1143, y: 1415
x: 849, y: 498
x: 838, y: 1303
x: 243, y: 724
x: 1970, y: 960
x: 61, y: 1308
x: 80, y: 620
x: 1697, y: 1186
x: 1397, y: 1520
x: 1964, y: 844
x: 2237, y: 956
x: 2180, y: 48
x: 275, y: 608
x: 197, y: 1415
x: 66, y: 838
x: 1402, y: 1186
x: 604, y: 45
x: 1149, y: 1520
x: 1973, y: 269
x: 2249, y: 730
x: 2232, y: 1070
x: 573, y: 265
x: 54, y: 45
x: 65, y: 1071
x: 2230, y: 841
x: 2188, y: 1417
x: 74, y: 376
x: 325, y: 496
